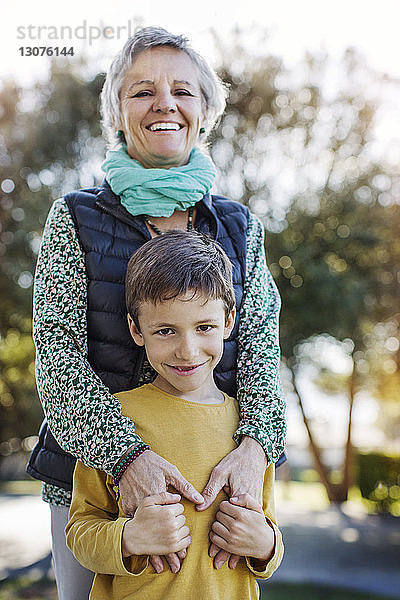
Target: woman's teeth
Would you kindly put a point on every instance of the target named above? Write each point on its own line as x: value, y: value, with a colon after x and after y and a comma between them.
x: 164, y: 126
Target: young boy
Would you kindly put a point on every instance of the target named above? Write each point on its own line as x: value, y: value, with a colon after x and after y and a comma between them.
x: 181, y: 307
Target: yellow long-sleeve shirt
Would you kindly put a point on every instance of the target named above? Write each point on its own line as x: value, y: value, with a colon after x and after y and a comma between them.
x: 194, y: 437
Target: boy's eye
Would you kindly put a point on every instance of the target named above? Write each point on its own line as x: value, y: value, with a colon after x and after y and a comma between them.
x: 165, y: 331
x: 205, y: 327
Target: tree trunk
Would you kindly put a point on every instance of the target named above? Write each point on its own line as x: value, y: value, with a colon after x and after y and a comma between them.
x: 336, y: 492
x: 347, y: 464
x: 321, y: 469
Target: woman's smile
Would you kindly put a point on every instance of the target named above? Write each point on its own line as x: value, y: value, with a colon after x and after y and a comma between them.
x: 164, y: 126
x: 161, y: 108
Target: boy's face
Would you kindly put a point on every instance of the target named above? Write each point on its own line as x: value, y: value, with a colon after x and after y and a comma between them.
x: 184, y: 343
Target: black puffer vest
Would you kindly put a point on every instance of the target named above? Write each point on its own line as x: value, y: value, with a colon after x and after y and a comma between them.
x: 109, y: 235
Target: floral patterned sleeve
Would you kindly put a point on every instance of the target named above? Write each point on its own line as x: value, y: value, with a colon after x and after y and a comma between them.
x: 261, y: 401
x: 83, y: 416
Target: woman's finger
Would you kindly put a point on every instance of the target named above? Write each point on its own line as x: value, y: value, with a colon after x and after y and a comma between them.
x: 157, y: 563
x: 184, y: 487
x: 217, y: 540
x: 173, y: 561
x: 213, y: 550
x: 233, y: 561
x: 182, y: 553
x: 221, y: 558
x: 246, y: 501
x: 161, y: 498
x: 213, y: 486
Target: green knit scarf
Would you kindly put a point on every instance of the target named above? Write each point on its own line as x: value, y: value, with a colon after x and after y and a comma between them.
x: 158, y: 192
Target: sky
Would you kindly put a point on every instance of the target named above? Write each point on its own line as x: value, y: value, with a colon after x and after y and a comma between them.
x: 294, y: 27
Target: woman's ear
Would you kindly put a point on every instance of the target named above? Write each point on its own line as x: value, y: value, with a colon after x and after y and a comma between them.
x: 230, y: 321
x: 135, y: 333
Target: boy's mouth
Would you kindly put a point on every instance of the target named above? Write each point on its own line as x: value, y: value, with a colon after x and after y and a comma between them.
x: 185, y: 369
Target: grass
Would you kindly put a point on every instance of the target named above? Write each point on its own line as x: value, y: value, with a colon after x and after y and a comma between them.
x: 289, y: 591
x: 308, y: 493
x: 24, y: 587
x: 313, y: 496
x: 22, y: 487
x: 44, y: 589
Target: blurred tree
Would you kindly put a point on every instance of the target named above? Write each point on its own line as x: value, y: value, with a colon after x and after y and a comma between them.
x: 301, y: 155
x: 49, y: 138
x: 341, y: 279
x: 297, y: 151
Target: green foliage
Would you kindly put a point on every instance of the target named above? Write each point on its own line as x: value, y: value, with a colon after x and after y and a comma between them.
x: 297, y: 156
x: 300, y: 158
x: 300, y: 155
x: 49, y: 139
x: 28, y: 587
x: 335, y: 260
x: 46, y: 140
x: 379, y: 480
x: 18, y: 406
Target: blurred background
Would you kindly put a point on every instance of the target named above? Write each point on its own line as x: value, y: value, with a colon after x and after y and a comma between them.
x: 310, y: 141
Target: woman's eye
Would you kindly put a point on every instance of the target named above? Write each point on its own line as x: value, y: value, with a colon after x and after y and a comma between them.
x: 182, y: 93
x: 142, y: 94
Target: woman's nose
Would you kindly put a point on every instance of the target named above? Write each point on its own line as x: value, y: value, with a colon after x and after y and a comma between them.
x: 164, y: 102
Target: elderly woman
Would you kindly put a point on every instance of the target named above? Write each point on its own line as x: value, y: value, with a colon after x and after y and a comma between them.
x: 159, y: 102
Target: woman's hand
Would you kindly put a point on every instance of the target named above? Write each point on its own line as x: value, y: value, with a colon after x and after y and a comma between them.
x: 151, y: 474
x: 240, y: 472
x: 157, y: 528
x: 240, y: 528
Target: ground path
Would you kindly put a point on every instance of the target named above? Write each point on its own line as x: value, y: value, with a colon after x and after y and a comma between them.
x: 346, y: 550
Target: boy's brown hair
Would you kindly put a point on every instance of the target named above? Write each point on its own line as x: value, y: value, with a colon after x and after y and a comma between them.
x: 175, y: 263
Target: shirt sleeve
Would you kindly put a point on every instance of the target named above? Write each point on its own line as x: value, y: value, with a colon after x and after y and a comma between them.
x: 261, y: 401
x: 94, y: 530
x: 269, y: 511
x: 82, y: 414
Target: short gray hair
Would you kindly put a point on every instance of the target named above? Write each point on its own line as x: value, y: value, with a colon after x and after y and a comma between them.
x: 213, y: 90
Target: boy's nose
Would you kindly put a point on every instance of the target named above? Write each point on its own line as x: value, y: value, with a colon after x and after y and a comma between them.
x: 186, y: 350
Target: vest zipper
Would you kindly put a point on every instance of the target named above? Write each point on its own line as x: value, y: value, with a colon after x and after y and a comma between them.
x: 128, y: 221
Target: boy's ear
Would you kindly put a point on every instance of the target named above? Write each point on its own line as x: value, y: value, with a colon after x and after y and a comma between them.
x: 230, y: 321
x: 135, y: 333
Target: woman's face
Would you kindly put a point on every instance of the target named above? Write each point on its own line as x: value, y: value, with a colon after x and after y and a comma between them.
x: 161, y: 108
